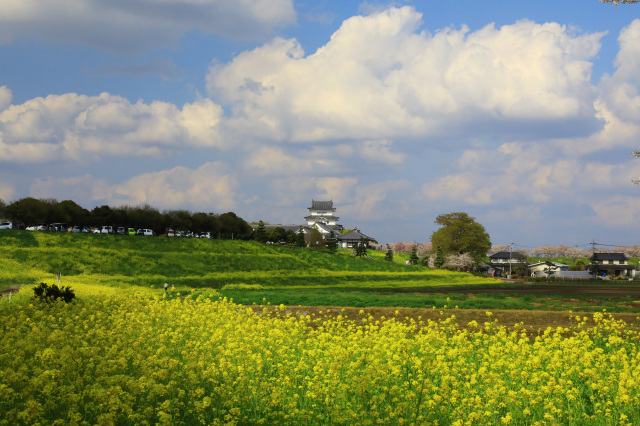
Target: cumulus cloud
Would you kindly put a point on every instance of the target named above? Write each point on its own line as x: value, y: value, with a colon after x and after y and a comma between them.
x: 623, y: 209
x: 331, y: 159
x: 379, y: 78
x: 137, y: 25
x: 519, y: 173
x: 210, y: 187
x: 369, y: 200
x: 5, y: 97
x: 620, y: 92
x: 74, y: 126
x: 296, y: 191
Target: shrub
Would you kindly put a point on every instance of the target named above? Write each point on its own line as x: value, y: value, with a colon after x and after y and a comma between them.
x: 53, y: 292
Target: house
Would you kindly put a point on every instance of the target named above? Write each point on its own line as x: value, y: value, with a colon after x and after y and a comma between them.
x: 547, y: 269
x: 353, y: 238
x: 613, y: 265
x: 506, y: 263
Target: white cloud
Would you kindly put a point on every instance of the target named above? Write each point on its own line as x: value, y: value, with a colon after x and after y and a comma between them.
x: 295, y: 191
x: 5, y: 97
x: 6, y: 192
x: 137, y: 25
x: 369, y: 199
x: 78, y: 127
x: 210, y: 187
x: 618, y: 212
x: 519, y: 173
x: 378, y: 78
x: 332, y: 159
x: 620, y: 91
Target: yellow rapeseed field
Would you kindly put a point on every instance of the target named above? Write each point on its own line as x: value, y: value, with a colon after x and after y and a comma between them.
x: 137, y: 356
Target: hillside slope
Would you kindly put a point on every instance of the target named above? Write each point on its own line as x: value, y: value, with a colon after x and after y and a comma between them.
x: 29, y: 256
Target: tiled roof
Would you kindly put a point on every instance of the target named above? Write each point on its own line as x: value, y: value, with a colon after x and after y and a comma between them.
x: 355, y: 234
x: 318, y: 216
x: 610, y: 256
x: 322, y: 205
x: 507, y: 255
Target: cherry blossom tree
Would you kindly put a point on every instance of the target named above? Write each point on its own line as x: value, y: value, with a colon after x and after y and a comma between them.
x: 459, y: 262
x: 616, y: 2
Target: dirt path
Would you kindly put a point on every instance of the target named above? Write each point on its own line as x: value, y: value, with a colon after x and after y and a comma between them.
x: 554, y: 290
x: 10, y: 289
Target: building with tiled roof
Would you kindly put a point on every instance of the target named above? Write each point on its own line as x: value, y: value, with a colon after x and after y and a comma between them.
x: 321, y: 217
x: 321, y: 212
x: 613, y: 264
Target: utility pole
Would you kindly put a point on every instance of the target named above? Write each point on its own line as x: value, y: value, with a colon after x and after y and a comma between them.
x: 510, y: 250
x: 594, y: 268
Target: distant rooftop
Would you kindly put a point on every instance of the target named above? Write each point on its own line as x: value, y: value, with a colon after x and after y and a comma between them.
x: 322, y: 205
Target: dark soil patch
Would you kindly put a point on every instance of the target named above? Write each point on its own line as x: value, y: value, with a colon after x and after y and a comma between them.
x: 535, y: 321
x: 552, y: 290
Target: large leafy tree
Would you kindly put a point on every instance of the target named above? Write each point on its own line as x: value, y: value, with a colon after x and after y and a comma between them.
x: 73, y: 213
x: 460, y: 233
x: 31, y: 211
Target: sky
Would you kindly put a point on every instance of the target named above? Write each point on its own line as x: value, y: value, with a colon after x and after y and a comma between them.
x: 522, y: 114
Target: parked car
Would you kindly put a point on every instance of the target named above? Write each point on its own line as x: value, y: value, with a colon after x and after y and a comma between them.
x: 6, y: 225
x: 205, y: 235
x: 58, y: 227
x: 76, y: 229
x: 96, y: 231
x: 31, y: 228
x: 147, y: 232
x: 131, y: 231
x: 107, y: 229
x: 86, y: 229
x: 121, y: 230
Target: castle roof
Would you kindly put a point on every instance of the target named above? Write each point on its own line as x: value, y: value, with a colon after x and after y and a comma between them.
x: 322, y: 205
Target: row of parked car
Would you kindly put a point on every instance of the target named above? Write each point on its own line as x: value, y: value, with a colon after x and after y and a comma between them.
x: 187, y: 234
x: 121, y: 230
x: 63, y: 227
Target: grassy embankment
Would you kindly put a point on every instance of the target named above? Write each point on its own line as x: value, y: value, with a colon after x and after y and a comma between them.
x: 251, y: 273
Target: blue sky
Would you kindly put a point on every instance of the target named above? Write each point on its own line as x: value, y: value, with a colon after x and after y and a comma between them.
x: 522, y: 114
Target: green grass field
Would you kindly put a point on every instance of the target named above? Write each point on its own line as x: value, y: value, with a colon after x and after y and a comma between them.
x: 255, y: 274
x: 32, y: 256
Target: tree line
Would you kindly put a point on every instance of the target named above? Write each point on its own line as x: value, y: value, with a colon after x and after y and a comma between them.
x: 33, y: 211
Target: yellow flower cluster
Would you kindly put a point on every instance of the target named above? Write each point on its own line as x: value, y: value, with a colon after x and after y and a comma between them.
x: 142, y: 360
